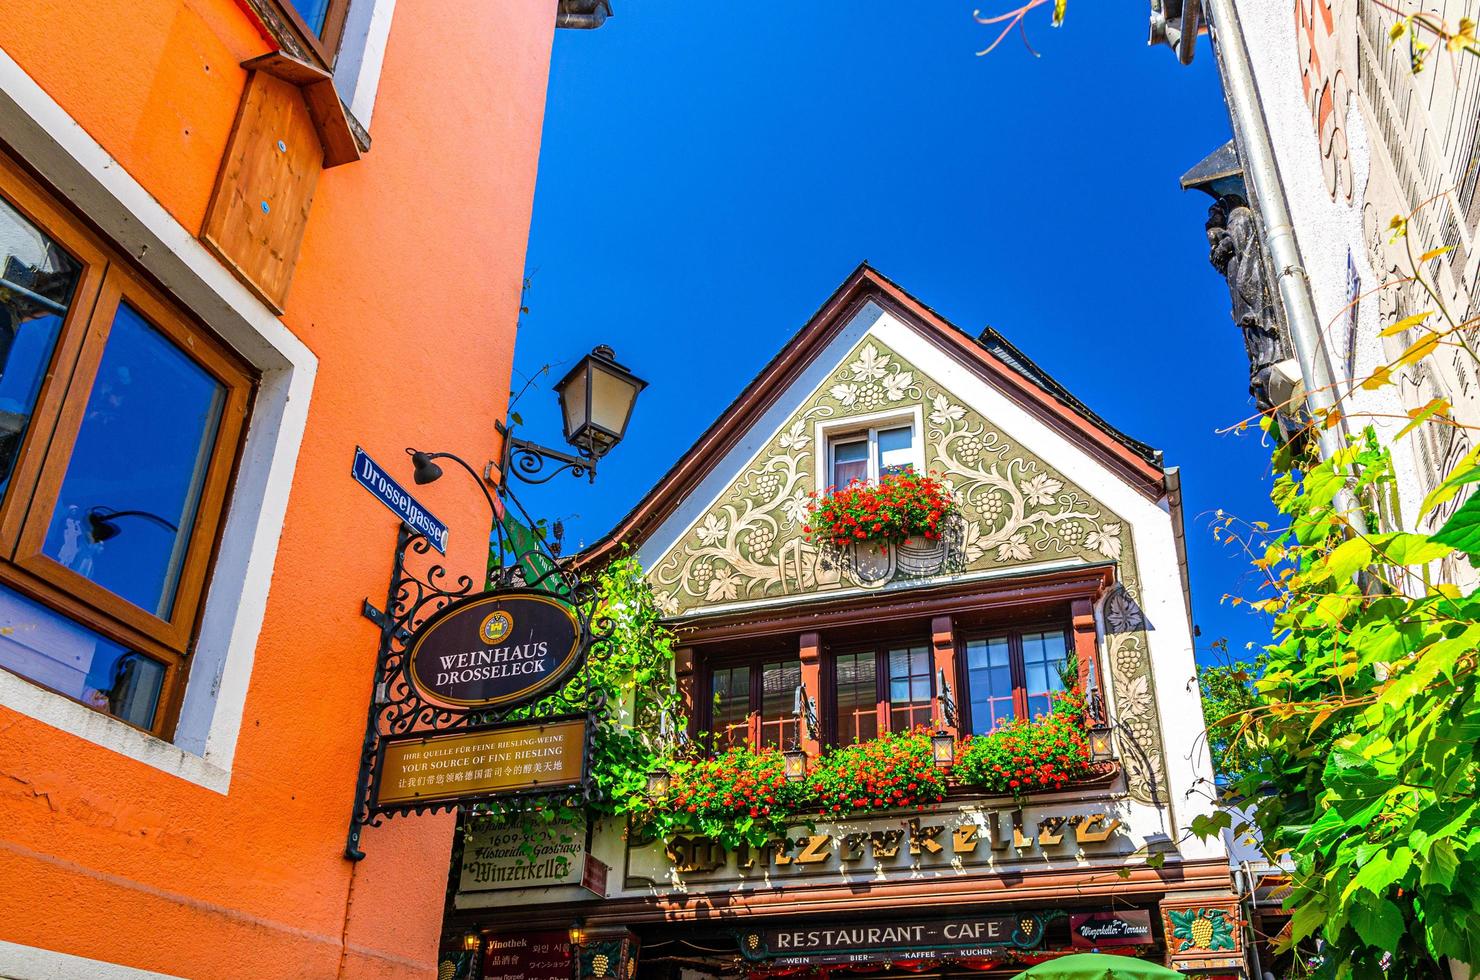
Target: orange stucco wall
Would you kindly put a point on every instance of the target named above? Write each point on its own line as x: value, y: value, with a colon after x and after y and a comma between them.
x: 407, y: 291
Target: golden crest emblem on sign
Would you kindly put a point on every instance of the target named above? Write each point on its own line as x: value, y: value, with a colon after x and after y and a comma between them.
x: 497, y: 627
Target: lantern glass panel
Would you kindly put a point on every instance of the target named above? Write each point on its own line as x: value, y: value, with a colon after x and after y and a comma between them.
x: 612, y: 398
x: 573, y: 399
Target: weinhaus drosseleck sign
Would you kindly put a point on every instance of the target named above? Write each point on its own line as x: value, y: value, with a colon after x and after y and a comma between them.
x: 494, y: 649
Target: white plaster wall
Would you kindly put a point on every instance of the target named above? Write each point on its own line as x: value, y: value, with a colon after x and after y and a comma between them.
x: 1328, y: 230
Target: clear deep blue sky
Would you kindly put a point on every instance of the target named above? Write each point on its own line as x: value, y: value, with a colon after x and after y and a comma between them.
x: 710, y: 174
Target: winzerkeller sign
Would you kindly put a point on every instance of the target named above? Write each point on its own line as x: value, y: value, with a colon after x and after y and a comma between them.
x: 494, y: 650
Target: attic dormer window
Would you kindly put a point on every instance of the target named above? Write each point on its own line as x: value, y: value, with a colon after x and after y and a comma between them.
x: 871, y: 453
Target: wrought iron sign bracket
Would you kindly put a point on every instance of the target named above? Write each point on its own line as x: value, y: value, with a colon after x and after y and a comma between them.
x: 421, y: 593
x: 379, y: 618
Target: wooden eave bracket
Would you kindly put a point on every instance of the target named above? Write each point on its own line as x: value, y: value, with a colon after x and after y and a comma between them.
x: 337, y: 132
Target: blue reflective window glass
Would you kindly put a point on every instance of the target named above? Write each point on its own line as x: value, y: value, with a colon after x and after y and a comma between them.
x: 989, y: 683
x: 896, y: 451
x: 313, y: 12
x: 910, y: 688
x: 1044, y: 656
x: 53, y: 651
x: 128, y: 500
x: 37, y: 280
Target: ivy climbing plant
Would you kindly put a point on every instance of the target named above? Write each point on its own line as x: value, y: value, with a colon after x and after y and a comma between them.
x: 633, y: 676
x: 1361, y: 753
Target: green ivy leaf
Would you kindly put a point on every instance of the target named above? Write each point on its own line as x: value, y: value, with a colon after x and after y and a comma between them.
x: 1205, y: 826
x: 1411, y: 549
x: 1377, y: 921
x: 1462, y: 530
x: 1440, y: 865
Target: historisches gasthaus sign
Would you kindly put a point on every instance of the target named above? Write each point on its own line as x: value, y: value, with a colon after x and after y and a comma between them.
x: 495, y: 649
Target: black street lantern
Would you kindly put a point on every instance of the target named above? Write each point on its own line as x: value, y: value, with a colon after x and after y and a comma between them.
x: 658, y: 782
x: 596, y: 400
x: 1100, y: 747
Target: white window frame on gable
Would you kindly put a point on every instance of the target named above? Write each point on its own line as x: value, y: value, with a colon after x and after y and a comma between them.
x: 832, y: 433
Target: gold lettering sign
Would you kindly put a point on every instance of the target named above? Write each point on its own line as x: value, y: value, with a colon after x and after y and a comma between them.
x: 469, y: 764
x: 1009, y: 834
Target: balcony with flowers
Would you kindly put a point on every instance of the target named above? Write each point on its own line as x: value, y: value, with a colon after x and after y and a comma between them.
x: 750, y: 795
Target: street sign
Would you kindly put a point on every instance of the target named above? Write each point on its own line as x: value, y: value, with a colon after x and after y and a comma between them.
x: 372, y: 477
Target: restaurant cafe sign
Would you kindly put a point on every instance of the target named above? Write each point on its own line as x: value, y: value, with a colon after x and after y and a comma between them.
x: 969, y: 936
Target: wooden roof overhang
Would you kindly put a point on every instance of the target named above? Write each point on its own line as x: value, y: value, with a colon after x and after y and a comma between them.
x: 1093, y: 435
x: 971, y: 599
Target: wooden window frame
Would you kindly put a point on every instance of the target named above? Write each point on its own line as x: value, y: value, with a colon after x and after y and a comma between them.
x: 831, y: 722
x: 325, y: 47
x: 757, y: 664
x: 107, y: 280
x: 1014, y: 635
x: 880, y: 650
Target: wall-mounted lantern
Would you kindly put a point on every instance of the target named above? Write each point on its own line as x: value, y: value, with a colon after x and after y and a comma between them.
x: 795, y: 760
x: 658, y: 782
x: 1100, y: 747
x: 596, y: 400
x: 943, y: 748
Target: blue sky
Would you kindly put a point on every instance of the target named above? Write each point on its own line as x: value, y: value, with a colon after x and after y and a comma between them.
x: 709, y: 176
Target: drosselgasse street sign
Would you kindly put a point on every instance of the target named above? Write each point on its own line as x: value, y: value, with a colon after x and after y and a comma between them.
x: 372, y: 477
x: 494, y: 649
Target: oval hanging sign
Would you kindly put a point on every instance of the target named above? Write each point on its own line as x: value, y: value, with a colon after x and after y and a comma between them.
x: 494, y: 649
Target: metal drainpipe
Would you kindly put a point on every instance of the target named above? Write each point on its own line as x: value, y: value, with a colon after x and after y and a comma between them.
x: 1262, y: 176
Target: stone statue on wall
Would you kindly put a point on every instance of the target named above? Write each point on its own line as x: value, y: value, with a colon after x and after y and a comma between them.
x: 1237, y: 252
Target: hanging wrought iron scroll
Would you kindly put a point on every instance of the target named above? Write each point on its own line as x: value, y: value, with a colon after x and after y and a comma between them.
x: 498, y: 719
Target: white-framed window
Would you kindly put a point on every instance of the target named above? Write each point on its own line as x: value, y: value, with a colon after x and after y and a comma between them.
x: 866, y: 450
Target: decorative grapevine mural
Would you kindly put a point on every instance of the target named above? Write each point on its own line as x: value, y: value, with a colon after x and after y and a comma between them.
x: 1014, y: 510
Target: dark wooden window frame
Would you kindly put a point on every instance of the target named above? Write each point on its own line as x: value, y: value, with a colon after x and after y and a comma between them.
x: 280, y: 17
x: 830, y: 720
x: 880, y: 649
x: 1014, y: 633
x: 757, y: 663
x: 107, y: 280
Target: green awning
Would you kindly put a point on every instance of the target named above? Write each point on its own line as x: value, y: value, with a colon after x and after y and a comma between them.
x: 1099, y: 966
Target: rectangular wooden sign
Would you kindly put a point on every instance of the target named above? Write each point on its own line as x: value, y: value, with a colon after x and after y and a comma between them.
x: 498, y: 859
x: 480, y: 762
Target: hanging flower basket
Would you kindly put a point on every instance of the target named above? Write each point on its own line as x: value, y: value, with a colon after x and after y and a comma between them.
x: 898, y: 508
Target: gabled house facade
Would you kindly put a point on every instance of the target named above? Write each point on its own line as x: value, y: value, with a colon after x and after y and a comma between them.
x: 1061, y: 566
